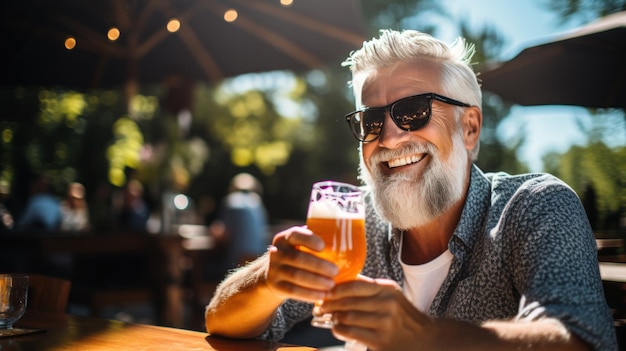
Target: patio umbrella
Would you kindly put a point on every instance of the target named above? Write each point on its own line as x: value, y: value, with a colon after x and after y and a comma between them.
x: 586, y: 67
x: 199, y: 43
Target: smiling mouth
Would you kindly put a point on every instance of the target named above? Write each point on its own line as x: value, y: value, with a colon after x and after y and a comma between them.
x: 406, y: 160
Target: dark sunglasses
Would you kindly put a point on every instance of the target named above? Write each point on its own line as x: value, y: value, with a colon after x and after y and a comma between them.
x: 410, y: 113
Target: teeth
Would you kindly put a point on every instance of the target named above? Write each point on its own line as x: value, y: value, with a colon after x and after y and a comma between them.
x: 403, y: 161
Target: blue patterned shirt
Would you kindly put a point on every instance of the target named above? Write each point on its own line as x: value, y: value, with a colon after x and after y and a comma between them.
x: 523, y: 249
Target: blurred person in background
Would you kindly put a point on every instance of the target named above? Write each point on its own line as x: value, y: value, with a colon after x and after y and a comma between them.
x: 43, y: 210
x: 74, y: 210
x: 133, y: 212
x: 6, y: 218
x: 241, y: 223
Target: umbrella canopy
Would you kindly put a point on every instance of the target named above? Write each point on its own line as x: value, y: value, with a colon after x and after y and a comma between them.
x: 586, y: 67
x: 200, y: 43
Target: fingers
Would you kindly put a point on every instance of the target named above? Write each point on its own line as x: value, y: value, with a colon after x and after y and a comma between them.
x: 302, y: 269
x: 289, y: 257
x: 297, y: 274
x: 364, y: 295
x: 364, y: 286
x: 298, y: 236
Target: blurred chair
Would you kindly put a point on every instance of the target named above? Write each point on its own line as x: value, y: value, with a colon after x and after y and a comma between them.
x: 198, y: 247
x: 112, y: 285
x: 46, y: 293
x: 611, y: 250
x: 119, y: 298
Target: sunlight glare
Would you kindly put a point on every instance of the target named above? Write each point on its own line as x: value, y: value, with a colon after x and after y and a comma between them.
x: 181, y: 202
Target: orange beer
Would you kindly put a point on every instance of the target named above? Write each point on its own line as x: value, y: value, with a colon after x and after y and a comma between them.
x: 345, y: 244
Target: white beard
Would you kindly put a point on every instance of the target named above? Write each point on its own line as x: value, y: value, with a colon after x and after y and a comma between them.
x: 408, y: 202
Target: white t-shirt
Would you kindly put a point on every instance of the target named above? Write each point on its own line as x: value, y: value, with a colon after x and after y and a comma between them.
x: 422, y: 281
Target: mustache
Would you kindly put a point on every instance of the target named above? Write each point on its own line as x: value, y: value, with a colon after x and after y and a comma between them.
x: 406, y: 149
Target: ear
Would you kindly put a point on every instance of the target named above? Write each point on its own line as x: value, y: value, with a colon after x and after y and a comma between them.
x: 472, y: 121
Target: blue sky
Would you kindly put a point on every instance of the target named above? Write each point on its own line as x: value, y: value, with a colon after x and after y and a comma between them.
x: 525, y: 23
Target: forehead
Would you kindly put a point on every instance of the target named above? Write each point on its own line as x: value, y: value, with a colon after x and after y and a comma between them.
x: 384, y: 85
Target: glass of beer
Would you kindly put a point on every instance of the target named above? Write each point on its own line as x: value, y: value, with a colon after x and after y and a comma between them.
x: 336, y: 213
x: 13, y: 296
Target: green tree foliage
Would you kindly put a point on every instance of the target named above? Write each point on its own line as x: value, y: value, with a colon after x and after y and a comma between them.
x: 308, y: 140
x: 584, y: 10
x: 598, y: 174
x: 68, y: 136
x: 53, y: 132
x: 252, y: 135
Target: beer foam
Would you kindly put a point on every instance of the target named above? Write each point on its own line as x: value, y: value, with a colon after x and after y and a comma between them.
x: 331, y: 209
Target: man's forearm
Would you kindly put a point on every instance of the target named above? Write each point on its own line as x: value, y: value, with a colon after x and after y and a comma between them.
x: 545, y: 334
x: 236, y: 309
x: 542, y: 334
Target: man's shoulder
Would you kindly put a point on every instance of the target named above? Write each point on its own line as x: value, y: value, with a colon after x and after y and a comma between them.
x: 505, y: 182
x: 528, y: 189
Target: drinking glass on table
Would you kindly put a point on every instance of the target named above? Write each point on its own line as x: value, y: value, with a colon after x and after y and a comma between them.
x: 336, y: 213
x: 13, y: 295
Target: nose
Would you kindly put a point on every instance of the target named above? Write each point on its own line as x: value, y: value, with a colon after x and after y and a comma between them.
x: 391, y: 136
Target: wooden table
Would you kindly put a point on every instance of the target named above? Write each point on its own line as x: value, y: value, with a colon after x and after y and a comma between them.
x: 63, y: 332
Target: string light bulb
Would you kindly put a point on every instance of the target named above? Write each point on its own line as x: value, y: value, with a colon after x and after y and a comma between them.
x: 173, y: 25
x: 286, y: 2
x: 230, y: 15
x: 70, y: 43
x: 113, y: 34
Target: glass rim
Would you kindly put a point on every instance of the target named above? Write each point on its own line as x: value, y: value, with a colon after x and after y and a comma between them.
x: 354, y: 189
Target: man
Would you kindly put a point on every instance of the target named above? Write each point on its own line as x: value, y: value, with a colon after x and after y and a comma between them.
x: 457, y: 259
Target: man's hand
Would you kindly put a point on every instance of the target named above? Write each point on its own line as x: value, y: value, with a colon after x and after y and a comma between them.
x: 376, y: 313
x: 295, y: 274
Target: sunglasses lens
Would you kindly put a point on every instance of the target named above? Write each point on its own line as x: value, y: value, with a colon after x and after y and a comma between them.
x: 412, y: 113
x: 367, y: 125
